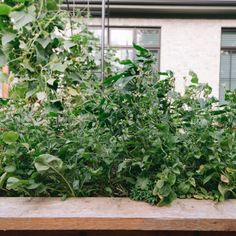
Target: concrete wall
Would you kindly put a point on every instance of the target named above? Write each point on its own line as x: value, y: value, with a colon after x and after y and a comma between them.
x: 187, y: 44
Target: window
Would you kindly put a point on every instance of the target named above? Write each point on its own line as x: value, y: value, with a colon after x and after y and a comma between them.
x: 122, y: 39
x: 228, y: 61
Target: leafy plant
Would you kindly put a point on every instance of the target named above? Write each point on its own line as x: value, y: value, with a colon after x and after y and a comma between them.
x: 65, y: 132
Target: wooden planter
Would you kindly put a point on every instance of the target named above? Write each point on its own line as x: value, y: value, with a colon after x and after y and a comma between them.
x: 115, y: 214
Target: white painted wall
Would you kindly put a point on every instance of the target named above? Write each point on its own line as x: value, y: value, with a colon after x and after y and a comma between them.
x: 186, y: 44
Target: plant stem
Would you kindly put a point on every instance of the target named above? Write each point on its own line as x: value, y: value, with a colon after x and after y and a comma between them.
x: 65, y: 180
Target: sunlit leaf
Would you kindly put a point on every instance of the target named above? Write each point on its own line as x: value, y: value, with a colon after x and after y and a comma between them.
x: 4, y: 9
x: 8, y: 37
x: 10, y: 137
x: 22, y: 18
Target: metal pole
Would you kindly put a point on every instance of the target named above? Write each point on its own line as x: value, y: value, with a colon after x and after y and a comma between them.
x: 103, y: 39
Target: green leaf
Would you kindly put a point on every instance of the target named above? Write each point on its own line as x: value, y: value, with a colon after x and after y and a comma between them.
x: 184, y: 187
x: 176, y: 170
x: 160, y: 183
x: 27, y: 65
x: 171, y: 179
x: 52, y: 5
x: 192, y: 182
x: 194, y: 79
x: 5, y: 9
x: 198, y: 196
x: 3, y: 179
x: 60, y: 67
x: 72, y: 91
x: 168, y: 199
x: 26, y: 145
x: 121, y: 83
x: 208, y: 178
x: 13, y: 183
x: 10, y: 168
x: 55, y: 106
x: 123, y: 165
x: 44, y: 42
x: 33, y: 185
x: 22, y: 18
x: 95, y: 172
x: 163, y: 73
x: 139, y: 48
x: 165, y: 190
x: 223, y: 189
x: 126, y: 62
x: 46, y: 161
x: 3, y: 59
x: 142, y: 183
x: 51, y: 81
x: 68, y: 44
x: 42, y: 56
x: 113, y: 79
x: 10, y: 137
x: 7, y: 38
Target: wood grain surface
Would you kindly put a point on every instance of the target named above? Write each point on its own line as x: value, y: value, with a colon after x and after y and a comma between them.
x: 115, y: 214
x: 113, y: 233
x: 5, y: 86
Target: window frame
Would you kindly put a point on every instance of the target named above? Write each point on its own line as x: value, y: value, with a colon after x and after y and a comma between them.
x: 134, y: 29
x: 230, y: 50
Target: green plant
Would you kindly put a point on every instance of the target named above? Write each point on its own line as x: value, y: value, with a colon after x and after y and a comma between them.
x: 65, y: 132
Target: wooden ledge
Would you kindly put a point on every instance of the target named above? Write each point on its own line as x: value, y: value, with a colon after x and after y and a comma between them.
x: 115, y: 214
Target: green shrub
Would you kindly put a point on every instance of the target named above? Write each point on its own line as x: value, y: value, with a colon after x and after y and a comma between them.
x: 65, y: 132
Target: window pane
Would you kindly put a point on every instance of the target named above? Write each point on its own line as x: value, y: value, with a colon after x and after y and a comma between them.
x: 123, y: 54
x: 156, y: 55
x: 148, y: 37
x: 233, y: 65
x: 228, y: 39
x: 233, y: 84
x: 225, y: 65
x: 121, y: 37
x: 98, y: 34
x: 224, y: 85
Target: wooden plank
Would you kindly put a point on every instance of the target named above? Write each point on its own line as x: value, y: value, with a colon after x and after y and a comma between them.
x: 115, y: 214
x: 140, y: 233
x: 101, y: 233
x: 5, y: 86
x: 113, y: 233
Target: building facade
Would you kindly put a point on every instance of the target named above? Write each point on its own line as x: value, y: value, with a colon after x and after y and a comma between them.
x: 197, y: 36
x: 185, y: 35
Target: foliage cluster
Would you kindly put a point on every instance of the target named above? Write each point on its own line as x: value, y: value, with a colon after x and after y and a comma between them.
x: 65, y: 132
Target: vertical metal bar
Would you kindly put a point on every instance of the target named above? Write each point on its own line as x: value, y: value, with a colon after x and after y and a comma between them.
x: 68, y: 9
x: 73, y: 8
x: 108, y: 23
x: 103, y: 40
x: 230, y: 71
